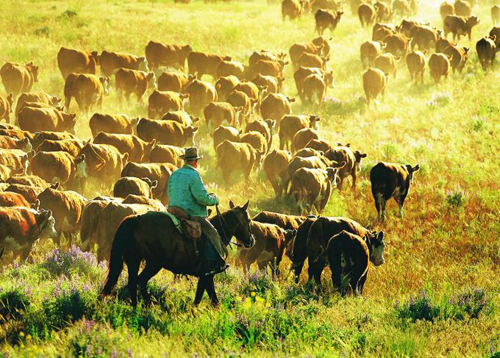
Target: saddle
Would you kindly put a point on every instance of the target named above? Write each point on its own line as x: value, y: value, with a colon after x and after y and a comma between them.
x: 191, y: 229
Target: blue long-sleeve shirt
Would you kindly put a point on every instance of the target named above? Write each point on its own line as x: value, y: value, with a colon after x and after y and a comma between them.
x: 187, y: 191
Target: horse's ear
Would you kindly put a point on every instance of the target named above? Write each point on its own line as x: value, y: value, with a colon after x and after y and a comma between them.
x: 231, y: 204
x: 245, y: 207
x: 209, y: 212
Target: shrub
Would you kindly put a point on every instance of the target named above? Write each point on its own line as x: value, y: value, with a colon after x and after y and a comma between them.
x: 71, y: 262
x: 13, y: 304
x: 420, y: 308
x: 456, y: 198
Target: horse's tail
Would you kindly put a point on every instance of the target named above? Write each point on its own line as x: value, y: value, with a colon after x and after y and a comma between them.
x: 122, y: 241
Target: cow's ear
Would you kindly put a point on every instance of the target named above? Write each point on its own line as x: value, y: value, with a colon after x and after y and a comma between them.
x: 416, y: 168
x: 36, y: 205
x: 245, y: 207
x: 380, y: 236
x: 231, y: 204
x: 55, y: 185
x: 125, y: 157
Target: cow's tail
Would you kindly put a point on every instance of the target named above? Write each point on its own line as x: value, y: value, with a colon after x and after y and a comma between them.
x: 122, y: 241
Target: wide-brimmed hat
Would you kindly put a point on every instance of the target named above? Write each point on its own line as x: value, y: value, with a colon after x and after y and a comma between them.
x: 190, y: 154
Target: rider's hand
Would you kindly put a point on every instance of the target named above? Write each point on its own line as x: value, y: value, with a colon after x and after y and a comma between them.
x: 215, y: 197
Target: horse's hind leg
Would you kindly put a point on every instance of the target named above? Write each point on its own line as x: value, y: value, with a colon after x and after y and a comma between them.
x: 149, y: 271
x: 200, y: 290
x: 133, y: 270
x: 211, y: 291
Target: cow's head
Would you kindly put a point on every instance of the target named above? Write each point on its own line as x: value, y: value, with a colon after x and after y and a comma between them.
x: 339, y: 15
x: 105, y: 84
x: 33, y: 70
x: 69, y: 122
x: 143, y: 64
x: 151, y: 77
x: 80, y: 166
x: 270, y: 123
x: 187, y: 49
x: 46, y: 224
x: 473, y: 21
x: 333, y: 175
x: 25, y: 145
x: 376, y: 245
x: 412, y: 170
x: 328, y: 78
x: 148, y: 148
x: 96, y: 57
x: 189, y: 133
x: 358, y: 155
x: 313, y: 121
x: 55, y: 101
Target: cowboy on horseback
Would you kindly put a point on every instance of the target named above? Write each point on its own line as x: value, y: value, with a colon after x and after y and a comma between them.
x: 187, y: 192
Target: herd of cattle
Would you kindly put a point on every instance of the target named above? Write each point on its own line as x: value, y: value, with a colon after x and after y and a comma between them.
x: 48, y: 174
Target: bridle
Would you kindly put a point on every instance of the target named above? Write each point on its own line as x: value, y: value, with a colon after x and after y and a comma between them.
x: 223, y: 222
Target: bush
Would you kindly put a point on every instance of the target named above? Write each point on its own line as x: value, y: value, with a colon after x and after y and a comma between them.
x: 456, y: 198
x: 421, y: 308
x: 71, y: 262
x: 13, y: 304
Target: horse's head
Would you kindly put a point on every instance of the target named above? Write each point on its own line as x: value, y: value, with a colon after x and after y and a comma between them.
x: 242, y: 224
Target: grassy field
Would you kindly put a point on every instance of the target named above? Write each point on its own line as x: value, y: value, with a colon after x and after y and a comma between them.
x: 436, y: 295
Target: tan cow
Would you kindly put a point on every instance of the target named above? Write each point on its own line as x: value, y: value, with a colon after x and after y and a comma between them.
x: 217, y: 112
x: 424, y: 37
x: 30, y: 180
x: 459, y: 26
x: 462, y: 8
x: 9, y: 199
x: 264, y: 127
x: 46, y: 119
x: 384, y: 11
x: 165, y: 132
x: 275, y: 106
x: 457, y: 56
x: 200, y: 63
x: 303, y: 72
x: 311, y: 60
x: 374, y: 81
x: 224, y: 86
x: 415, y: 61
x: 59, y: 167
x: 230, y: 68
x: 369, y: 51
x: 39, y: 137
x: 18, y: 78
x: 173, y: 81
x: 36, y: 97
x: 439, y: 66
x: 327, y: 19
x: 88, y: 90
x: 292, y: 9
x: 291, y: 124
x: 367, y: 14
x: 15, y: 159
x: 352, y: 160
x: 29, y: 192
x: 132, y: 81
x: 250, y: 89
x: 163, y: 153
x: 256, y: 140
x: 181, y: 117
x: 276, y: 169
x: 297, y: 50
x: 267, y: 68
x: 112, y: 123
x: 313, y: 90
x: 66, y: 207
x: 77, y: 61
x: 222, y: 133
x: 312, y: 188
x: 161, y: 102
x: 6, y: 106
x: 265, y: 55
x: 396, y: 44
x: 495, y: 14
x: 138, y: 150
x: 302, y: 137
x: 200, y: 95
x: 112, y: 61
x: 232, y: 157
x: 387, y: 63
x: 446, y: 9
x: 136, y: 186
x: 159, y: 54
x: 486, y: 51
x: 71, y: 146
x: 270, y: 83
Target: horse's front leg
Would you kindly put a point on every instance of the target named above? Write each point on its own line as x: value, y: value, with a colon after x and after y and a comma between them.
x: 211, y: 291
x: 200, y: 289
x: 149, y: 271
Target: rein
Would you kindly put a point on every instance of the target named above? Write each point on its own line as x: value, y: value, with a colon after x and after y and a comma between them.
x: 223, y: 222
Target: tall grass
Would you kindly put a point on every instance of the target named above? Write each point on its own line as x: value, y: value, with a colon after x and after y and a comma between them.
x: 447, y: 241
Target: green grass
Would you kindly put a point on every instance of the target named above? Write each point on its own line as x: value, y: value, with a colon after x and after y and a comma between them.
x: 446, y: 245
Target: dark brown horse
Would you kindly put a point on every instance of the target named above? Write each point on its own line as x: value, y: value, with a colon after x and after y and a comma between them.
x: 153, y: 237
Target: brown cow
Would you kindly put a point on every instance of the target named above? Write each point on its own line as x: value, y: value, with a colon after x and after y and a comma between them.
x: 308, y: 152
x: 303, y: 72
x: 348, y: 255
x: 381, y: 33
x: 154, y: 171
x: 165, y: 132
x: 405, y: 7
x: 495, y: 14
x: 486, y: 52
x: 256, y: 140
x: 21, y: 227
x: 200, y: 63
x: 250, y: 89
x: 264, y: 127
x: 139, y: 199
x: 77, y: 61
x: 132, y: 81
x: 384, y: 12
x: 222, y: 133
x: 71, y: 146
x: 18, y: 78
x: 496, y: 32
x: 459, y: 26
x: 66, y: 207
x: 161, y: 102
x: 284, y: 221
x: 366, y: 14
x: 458, y: 57
x: 14, y: 158
x: 230, y: 68
x: 265, y: 55
x: 302, y: 137
x: 311, y: 60
x: 313, y: 90
x: 415, y: 61
x: 137, y: 149
x: 17, y: 133
x: 159, y: 54
x: 396, y: 44
x: 112, y: 61
x: 9, y: 199
x: 267, y: 68
x: 369, y: 51
x: 270, y: 83
x: 424, y: 37
x: 232, y: 157
x: 462, y: 8
x: 391, y: 181
x: 312, y: 162
x: 163, y: 153
x: 7, y: 172
x: 30, y: 180
x: 136, y: 186
x: 275, y: 106
x: 292, y: 9
x: 200, y: 95
x: 29, y: 192
x: 39, y: 137
x: 374, y: 81
x: 181, y: 117
x: 224, y: 86
x: 439, y: 66
x: 112, y: 123
x: 270, y: 245
x: 7, y: 142
x: 442, y: 44
x: 276, y: 169
x: 36, y: 97
x: 172, y: 81
x: 297, y: 50
x: 58, y: 167
x: 387, y: 63
x: 446, y: 9
x: 88, y: 90
x: 46, y: 119
x: 327, y: 19
x: 312, y: 188
x: 6, y: 106
x: 352, y: 159
x: 217, y: 112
